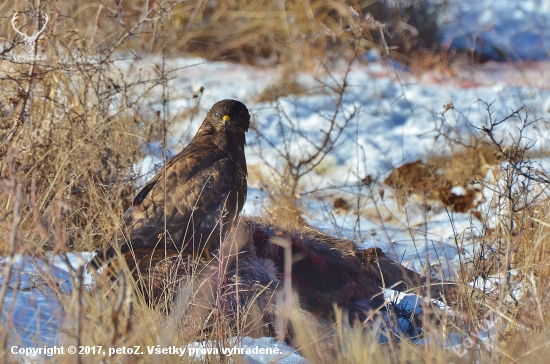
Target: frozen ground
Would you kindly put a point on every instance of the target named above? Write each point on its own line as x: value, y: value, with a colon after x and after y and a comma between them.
x: 396, y: 116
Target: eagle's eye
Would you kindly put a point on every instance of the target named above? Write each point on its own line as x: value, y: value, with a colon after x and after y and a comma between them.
x: 217, y: 115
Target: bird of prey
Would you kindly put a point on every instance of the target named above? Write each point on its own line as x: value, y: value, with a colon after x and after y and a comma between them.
x: 197, y: 194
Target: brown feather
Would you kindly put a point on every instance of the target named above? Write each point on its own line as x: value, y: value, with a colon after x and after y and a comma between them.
x: 203, y: 185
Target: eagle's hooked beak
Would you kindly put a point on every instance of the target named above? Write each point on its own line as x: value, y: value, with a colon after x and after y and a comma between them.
x: 226, y: 120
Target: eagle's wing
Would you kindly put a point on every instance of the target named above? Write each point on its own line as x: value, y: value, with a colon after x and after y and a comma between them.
x: 191, y: 187
x: 200, y: 153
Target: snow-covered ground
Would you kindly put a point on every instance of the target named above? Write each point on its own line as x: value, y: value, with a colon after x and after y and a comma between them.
x: 506, y: 30
x: 395, y: 118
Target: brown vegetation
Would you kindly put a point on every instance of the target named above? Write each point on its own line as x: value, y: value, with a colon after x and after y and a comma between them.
x: 427, y: 181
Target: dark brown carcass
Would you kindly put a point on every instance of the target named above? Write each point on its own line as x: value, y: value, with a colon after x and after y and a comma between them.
x: 246, y: 275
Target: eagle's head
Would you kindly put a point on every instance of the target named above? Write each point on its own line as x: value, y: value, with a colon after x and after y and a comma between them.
x: 228, y: 116
x: 226, y: 123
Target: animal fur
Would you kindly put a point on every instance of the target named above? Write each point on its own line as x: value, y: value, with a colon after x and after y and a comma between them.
x: 247, y: 274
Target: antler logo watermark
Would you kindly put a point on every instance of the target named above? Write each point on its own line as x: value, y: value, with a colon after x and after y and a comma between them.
x: 30, y: 41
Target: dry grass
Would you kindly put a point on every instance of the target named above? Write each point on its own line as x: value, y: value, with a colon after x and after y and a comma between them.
x: 295, y: 33
x: 511, y: 246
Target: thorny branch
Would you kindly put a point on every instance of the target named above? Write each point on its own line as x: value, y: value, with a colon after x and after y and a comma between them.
x: 515, y: 153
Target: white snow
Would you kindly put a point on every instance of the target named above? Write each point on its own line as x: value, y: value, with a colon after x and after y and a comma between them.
x: 32, y: 304
x: 519, y: 28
